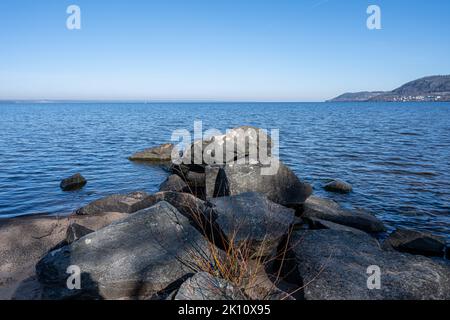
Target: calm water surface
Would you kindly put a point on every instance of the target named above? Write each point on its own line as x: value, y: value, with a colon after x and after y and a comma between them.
x: 397, y: 156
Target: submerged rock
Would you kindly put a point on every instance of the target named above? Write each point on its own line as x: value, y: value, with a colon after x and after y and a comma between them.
x: 337, y: 265
x: 416, y: 242
x: 252, y: 219
x: 155, y: 154
x: 128, y: 203
x: 329, y: 210
x: 338, y: 186
x: 204, y: 286
x: 132, y: 258
x: 282, y: 187
x: 77, y: 181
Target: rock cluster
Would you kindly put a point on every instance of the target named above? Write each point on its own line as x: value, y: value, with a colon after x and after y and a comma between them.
x: 221, y: 231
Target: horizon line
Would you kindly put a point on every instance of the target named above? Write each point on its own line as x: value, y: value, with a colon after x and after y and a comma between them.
x: 44, y: 101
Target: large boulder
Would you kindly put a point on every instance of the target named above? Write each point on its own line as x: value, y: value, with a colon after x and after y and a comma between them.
x: 335, y: 265
x: 416, y: 242
x: 236, y: 143
x: 162, y: 153
x: 132, y: 258
x: 25, y: 240
x: 77, y: 181
x: 204, y: 286
x: 126, y: 203
x: 251, y: 219
x: 324, y: 209
x: 282, y: 187
x: 187, y: 204
x: 338, y: 186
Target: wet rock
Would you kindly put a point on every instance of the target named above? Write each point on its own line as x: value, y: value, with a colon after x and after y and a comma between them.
x: 154, y: 154
x: 333, y: 265
x: 135, y: 257
x: 174, y: 183
x: 338, y: 186
x: 416, y: 242
x: 282, y: 187
x: 252, y: 219
x: 324, y: 209
x: 75, y: 232
x: 204, y: 286
x: 77, y: 181
x: 116, y: 203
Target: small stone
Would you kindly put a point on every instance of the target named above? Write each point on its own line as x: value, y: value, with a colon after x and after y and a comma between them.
x: 338, y: 186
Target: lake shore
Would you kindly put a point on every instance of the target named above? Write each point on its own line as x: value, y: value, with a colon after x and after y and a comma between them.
x: 183, y: 241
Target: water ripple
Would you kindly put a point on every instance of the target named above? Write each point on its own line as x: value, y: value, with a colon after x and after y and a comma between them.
x: 397, y: 156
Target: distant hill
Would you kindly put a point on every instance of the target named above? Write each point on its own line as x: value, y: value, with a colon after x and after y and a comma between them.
x: 434, y: 88
x: 357, y: 96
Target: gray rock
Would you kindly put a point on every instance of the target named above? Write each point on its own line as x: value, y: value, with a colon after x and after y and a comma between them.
x: 75, y: 232
x: 132, y: 258
x: 338, y: 186
x: 257, y: 284
x: 156, y: 154
x: 25, y: 240
x: 252, y: 219
x: 188, y: 205
x: 195, y: 179
x: 128, y: 203
x: 416, y: 242
x: 248, y: 141
x: 317, y: 224
x: 193, y: 175
x: 324, y: 209
x: 77, y: 181
x: 333, y: 265
x: 283, y: 187
x: 204, y: 286
x: 174, y: 183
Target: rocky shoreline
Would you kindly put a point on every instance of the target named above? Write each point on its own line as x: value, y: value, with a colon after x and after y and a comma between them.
x: 219, y: 232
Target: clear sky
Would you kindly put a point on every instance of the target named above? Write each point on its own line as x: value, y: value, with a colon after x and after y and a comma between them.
x: 278, y: 50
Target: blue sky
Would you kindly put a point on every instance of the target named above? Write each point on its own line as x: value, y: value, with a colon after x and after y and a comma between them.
x: 278, y: 50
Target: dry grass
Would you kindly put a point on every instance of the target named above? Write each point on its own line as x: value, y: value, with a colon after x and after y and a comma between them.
x: 237, y: 262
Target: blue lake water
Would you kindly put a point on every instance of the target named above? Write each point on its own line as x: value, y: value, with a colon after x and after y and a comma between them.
x: 397, y: 156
